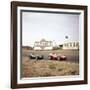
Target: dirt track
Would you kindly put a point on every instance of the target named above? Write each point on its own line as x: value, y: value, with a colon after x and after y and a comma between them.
x: 45, y: 67
x: 72, y: 55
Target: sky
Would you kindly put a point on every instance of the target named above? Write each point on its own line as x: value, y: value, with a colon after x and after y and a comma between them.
x: 50, y: 26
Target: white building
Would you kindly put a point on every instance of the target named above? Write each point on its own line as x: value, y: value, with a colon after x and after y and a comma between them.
x: 43, y: 45
x: 71, y: 45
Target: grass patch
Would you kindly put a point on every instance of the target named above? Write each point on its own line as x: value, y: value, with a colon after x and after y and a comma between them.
x: 52, y: 66
x: 45, y: 68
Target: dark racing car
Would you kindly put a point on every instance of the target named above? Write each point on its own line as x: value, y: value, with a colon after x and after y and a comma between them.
x: 37, y: 57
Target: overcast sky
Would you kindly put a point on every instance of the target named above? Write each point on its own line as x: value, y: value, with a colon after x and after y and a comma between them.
x: 53, y: 27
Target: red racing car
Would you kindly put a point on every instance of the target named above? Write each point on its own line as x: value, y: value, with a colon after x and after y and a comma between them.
x: 54, y: 56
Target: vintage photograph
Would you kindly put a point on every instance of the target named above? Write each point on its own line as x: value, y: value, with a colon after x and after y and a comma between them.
x: 50, y: 44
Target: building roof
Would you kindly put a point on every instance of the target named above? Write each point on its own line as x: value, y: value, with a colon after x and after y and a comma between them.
x: 42, y: 40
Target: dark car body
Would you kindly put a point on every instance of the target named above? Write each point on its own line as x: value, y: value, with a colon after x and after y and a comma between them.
x: 37, y: 57
x: 32, y: 56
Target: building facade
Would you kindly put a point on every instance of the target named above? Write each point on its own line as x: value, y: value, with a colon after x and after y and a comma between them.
x: 43, y: 45
x: 71, y: 45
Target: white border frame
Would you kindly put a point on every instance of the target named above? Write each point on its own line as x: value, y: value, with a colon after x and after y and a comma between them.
x: 56, y: 78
